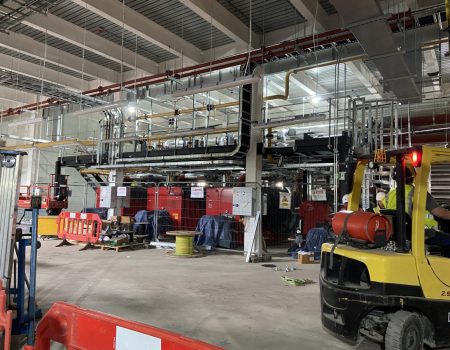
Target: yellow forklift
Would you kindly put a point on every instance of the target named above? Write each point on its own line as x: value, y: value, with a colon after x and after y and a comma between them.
x: 394, y: 287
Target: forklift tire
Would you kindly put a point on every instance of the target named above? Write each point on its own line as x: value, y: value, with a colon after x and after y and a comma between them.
x: 404, y: 332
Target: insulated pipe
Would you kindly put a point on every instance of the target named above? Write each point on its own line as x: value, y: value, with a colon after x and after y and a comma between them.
x: 190, y: 110
x: 43, y: 145
x: 167, y: 136
x: 212, y: 163
x: 237, y: 82
x: 308, y: 165
x: 285, y: 96
x: 97, y: 109
x: 289, y: 122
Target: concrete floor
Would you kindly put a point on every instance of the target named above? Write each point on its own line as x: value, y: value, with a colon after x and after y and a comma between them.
x: 218, y: 298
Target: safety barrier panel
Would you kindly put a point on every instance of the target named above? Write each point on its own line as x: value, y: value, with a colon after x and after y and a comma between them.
x: 5, y: 319
x: 81, y: 329
x: 81, y: 227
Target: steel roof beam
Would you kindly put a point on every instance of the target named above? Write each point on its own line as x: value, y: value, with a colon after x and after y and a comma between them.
x: 316, y: 15
x: 140, y: 25
x: 75, y: 35
x: 366, y: 77
x: 16, y: 96
x: 36, y: 71
x: 36, y: 49
x: 213, y: 12
x: 320, y: 22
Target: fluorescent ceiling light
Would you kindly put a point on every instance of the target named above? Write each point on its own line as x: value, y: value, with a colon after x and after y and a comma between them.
x: 315, y: 100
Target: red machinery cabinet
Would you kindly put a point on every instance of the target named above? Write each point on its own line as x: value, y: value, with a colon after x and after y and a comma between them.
x: 184, y: 211
x: 169, y: 199
x: 138, y: 201
x: 313, y: 213
x: 219, y: 201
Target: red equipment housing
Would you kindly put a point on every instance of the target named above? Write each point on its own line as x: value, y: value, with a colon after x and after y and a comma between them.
x: 219, y: 201
x: 313, y: 213
x: 362, y: 226
x: 184, y: 211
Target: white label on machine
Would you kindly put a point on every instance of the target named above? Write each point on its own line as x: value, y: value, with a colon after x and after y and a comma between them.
x: 83, y: 216
x: 319, y: 194
x: 197, y: 192
x: 121, y: 191
x: 285, y: 200
x: 126, y: 339
x: 73, y: 215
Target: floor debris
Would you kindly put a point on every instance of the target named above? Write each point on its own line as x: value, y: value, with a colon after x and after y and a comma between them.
x: 297, y: 281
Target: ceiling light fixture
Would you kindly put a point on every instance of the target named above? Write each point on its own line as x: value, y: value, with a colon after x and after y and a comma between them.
x: 315, y: 100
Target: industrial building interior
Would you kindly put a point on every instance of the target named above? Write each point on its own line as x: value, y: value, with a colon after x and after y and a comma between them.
x: 224, y: 174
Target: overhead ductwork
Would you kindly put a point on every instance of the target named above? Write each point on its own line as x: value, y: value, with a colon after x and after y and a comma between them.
x: 366, y: 20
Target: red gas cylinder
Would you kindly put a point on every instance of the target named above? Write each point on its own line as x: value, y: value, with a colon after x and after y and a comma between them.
x: 363, y: 226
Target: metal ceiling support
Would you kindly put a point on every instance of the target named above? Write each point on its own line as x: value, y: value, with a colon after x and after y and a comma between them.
x: 15, y: 96
x: 16, y: 65
x: 316, y: 15
x: 59, y: 28
x: 368, y: 23
x: 213, y: 12
x: 143, y: 27
x: 13, y: 11
x: 26, y: 45
x: 262, y: 55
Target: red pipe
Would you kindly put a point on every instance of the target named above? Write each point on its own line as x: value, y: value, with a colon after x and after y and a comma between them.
x: 255, y: 56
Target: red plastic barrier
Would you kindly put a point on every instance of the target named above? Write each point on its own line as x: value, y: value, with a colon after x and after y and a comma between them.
x: 81, y: 227
x: 80, y: 329
x: 5, y: 319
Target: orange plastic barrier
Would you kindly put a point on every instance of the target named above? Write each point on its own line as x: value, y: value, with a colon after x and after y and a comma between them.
x: 5, y: 319
x: 82, y: 227
x: 80, y: 329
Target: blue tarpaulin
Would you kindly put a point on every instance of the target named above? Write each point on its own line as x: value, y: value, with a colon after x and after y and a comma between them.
x: 315, y: 238
x: 217, y: 231
x: 146, y: 219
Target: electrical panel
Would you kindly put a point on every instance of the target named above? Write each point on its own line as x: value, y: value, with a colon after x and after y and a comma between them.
x: 108, y: 198
x: 114, y: 197
x: 243, y: 199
